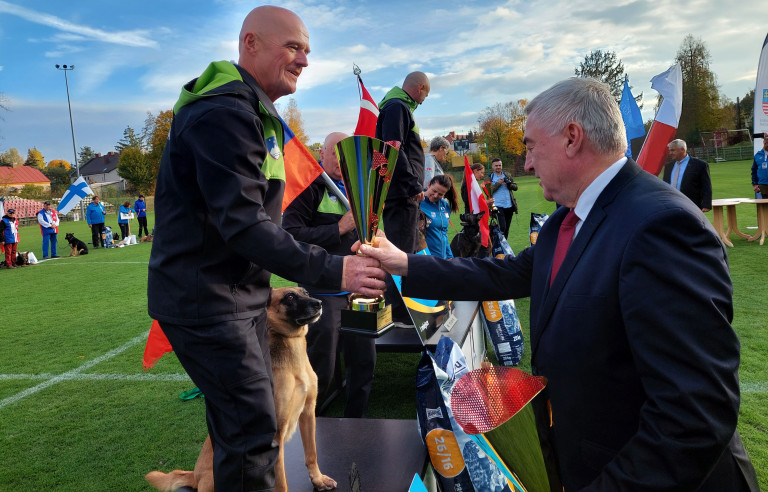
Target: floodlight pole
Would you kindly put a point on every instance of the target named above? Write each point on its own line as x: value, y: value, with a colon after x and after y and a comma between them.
x: 65, y: 69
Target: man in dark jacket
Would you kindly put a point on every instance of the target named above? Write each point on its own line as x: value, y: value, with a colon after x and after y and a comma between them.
x: 396, y: 124
x: 689, y: 175
x: 318, y: 217
x: 218, y: 239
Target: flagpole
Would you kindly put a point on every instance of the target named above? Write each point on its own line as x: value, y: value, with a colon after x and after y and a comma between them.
x: 65, y: 69
x: 335, y: 189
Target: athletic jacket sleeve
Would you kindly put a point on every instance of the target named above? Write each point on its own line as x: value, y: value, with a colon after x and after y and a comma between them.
x: 300, y: 219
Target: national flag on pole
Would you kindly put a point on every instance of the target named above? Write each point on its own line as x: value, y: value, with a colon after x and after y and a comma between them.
x: 654, y: 152
x: 630, y: 113
x: 156, y: 347
x: 301, y: 168
x: 369, y: 113
x: 76, y: 192
x: 477, y: 202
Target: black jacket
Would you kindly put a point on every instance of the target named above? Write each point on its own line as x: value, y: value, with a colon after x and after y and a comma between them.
x: 396, y: 123
x: 696, y: 183
x: 217, y: 231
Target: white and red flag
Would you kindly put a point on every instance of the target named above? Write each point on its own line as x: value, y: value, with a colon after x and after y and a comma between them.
x: 654, y: 152
x: 477, y: 202
x: 369, y: 113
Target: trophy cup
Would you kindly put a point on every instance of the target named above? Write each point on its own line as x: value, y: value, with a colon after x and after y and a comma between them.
x: 366, y: 167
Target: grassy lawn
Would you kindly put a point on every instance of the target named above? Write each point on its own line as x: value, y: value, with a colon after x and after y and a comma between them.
x: 77, y: 413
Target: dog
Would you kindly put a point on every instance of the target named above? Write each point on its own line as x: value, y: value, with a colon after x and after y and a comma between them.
x: 78, y: 247
x: 289, y: 312
x: 467, y: 242
x: 147, y: 239
x: 22, y: 258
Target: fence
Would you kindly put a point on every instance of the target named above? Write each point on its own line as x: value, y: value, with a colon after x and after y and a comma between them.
x: 722, y: 154
x: 26, y: 209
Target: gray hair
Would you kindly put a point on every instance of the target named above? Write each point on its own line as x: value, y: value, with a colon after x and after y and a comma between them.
x: 677, y: 144
x: 589, y: 103
x: 438, y: 143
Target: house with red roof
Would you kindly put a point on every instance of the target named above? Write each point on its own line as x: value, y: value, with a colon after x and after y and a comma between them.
x: 15, y: 178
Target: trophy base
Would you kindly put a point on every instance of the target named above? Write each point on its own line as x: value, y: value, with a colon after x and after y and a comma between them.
x: 370, y: 321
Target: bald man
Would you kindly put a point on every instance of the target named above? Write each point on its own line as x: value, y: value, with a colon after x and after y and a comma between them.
x: 396, y: 124
x: 318, y: 217
x: 218, y: 237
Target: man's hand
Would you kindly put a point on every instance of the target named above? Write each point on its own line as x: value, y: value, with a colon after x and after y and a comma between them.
x: 705, y: 210
x: 89, y: 226
x: 756, y: 188
x: 489, y: 202
x: 392, y: 259
x: 362, y: 275
x: 347, y: 223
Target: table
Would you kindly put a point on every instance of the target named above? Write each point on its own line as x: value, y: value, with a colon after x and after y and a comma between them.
x: 762, y: 219
x: 717, y: 215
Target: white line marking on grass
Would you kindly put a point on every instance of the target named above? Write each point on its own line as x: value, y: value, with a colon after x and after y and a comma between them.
x: 68, y: 375
x: 97, y: 377
x: 104, y: 263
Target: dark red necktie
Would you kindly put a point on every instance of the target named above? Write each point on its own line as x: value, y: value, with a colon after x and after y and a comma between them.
x: 564, y: 238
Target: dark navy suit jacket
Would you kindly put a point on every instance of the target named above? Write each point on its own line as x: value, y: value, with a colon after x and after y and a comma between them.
x: 696, y: 183
x: 634, y: 337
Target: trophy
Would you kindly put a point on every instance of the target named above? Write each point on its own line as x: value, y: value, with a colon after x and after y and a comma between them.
x: 366, y: 167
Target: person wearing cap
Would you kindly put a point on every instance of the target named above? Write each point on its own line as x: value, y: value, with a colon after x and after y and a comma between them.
x: 141, y: 214
x: 49, y: 228
x: 9, y: 237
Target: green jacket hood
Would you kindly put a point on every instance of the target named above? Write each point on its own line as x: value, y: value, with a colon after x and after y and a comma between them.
x: 398, y: 93
x: 216, y: 79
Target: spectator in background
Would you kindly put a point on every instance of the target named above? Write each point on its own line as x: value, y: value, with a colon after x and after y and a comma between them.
x: 49, y: 228
x: 94, y: 215
x: 760, y: 169
x: 141, y: 214
x: 689, y: 175
x: 502, y: 186
x: 10, y: 237
x: 438, y: 151
x: 316, y: 216
x: 479, y: 171
x: 440, y: 200
x: 123, y: 216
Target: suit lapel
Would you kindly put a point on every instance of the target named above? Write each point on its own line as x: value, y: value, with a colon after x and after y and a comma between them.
x: 598, y: 214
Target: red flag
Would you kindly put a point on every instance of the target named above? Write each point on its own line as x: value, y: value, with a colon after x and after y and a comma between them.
x: 157, y: 346
x: 477, y: 202
x: 654, y: 152
x: 369, y: 112
x: 301, y: 169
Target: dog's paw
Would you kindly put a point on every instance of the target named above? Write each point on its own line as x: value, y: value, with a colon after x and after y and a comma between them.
x: 323, y: 482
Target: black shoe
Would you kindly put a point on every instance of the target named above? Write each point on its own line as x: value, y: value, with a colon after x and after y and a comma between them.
x: 55, y: 256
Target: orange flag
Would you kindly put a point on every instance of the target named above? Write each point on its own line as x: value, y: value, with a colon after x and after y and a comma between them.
x: 157, y: 346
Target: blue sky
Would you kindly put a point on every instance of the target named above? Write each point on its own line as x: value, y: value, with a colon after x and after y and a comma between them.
x: 133, y: 57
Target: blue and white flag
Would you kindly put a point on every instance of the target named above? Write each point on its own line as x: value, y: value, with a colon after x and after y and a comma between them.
x: 74, y: 194
x: 630, y: 113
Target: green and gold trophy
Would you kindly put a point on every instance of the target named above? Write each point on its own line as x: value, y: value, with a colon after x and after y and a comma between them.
x: 366, y: 167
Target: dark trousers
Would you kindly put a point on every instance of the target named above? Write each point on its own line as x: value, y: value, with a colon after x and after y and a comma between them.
x: 505, y: 219
x: 142, y: 224
x: 323, y: 342
x: 230, y: 363
x: 124, y: 230
x: 401, y: 217
x: 96, y: 230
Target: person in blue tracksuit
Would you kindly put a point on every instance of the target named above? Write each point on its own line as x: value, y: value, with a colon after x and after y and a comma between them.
x: 760, y: 169
x: 94, y: 215
x: 141, y: 215
x: 440, y: 200
x: 123, y: 218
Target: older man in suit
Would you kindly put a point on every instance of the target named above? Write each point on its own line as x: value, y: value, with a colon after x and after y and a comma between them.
x: 689, y: 175
x: 641, y: 359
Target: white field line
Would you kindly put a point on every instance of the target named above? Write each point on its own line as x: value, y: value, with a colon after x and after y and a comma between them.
x: 71, y: 374
x: 96, y: 377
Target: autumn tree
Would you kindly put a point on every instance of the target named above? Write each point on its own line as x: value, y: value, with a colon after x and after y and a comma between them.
x: 703, y: 109
x: 140, y: 158
x: 745, y: 110
x: 130, y: 139
x: 59, y: 176
x: 59, y: 163
x: 292, y: 118
x: 502, y: 127
x: 606, y: 67
x: 86, y: 154
x: 11, y: 157
x: 34, y: 158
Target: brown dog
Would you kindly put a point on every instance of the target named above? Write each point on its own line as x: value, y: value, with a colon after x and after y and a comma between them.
x: 289, y: 311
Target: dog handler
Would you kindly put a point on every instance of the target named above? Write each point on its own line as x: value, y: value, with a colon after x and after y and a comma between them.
x: 218, y: 237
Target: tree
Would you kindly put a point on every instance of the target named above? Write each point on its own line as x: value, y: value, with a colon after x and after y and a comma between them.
x: 501, y: 127
x: 606, y: 67
x: 702, y: 106
x: 11, y: 157
x: 156, y: 129
x: 86, y: 154
x: 34, y: 158
x: 130, y: 139
x: 59, y: 176
x: 59, y: 163
x: 134, y: 167
x: 746, y: 110
x: 292, y: 118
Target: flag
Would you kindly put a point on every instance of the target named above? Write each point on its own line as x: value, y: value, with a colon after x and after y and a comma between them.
x: 301, y: 168
x: 630, y: 113
x: 477, y: 202
x: 654, y: 152
x: 760, y: 110
x: 156, y: 347
x: 369, y: 113
x: 76, y: 192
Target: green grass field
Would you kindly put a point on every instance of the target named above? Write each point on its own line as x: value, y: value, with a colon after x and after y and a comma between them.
x: 77, y: 413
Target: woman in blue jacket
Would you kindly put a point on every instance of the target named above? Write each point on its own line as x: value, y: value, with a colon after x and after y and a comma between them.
x: 440, y: 200
x: 122, y: 219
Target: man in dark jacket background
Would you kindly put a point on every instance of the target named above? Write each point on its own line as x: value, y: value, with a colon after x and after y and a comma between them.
x: 218, y: 239
x: 689, y: 175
